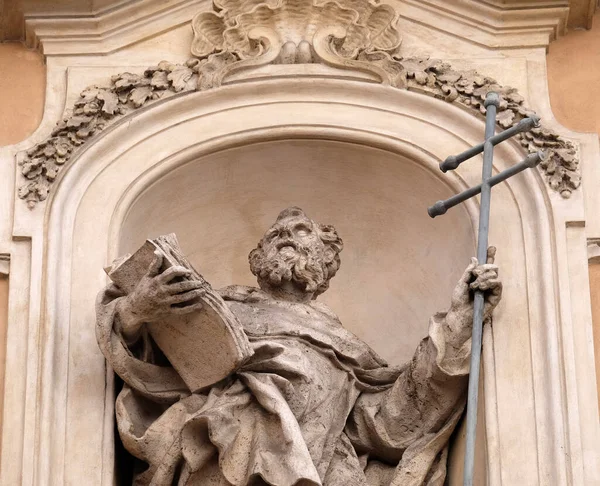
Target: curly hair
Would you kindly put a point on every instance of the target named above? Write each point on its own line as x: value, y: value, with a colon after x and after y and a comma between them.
x: 333, y: 246
x: 328, y: 235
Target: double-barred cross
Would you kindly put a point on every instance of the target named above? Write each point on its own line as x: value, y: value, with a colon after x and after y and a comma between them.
x: 492, y: 102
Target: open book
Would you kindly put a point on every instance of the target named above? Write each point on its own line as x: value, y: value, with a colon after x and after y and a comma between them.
x: 204, y: 346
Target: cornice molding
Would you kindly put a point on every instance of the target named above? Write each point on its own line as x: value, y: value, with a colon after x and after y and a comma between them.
x: 485, y: 23
x: 107, y: 30
x: 490, y: 24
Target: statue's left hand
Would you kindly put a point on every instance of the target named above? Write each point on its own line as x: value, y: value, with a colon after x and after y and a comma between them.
x: 479, y: 277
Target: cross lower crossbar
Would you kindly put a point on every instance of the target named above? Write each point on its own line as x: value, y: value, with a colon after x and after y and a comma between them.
x: 440, y: 207
x: 526, y: 124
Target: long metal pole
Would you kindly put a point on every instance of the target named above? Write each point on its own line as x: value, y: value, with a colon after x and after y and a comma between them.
x: 492, y: 102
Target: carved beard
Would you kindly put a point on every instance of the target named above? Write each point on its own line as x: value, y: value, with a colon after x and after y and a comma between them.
x: 302, y: 265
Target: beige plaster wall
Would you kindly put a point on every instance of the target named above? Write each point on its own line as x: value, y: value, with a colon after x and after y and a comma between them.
x: 22, y: 87
x: 574, y: 80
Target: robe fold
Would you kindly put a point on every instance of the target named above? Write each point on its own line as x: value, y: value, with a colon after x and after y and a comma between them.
x: 313, y: 406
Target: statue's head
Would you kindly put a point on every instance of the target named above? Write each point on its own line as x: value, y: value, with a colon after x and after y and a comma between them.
x: 297, y: 251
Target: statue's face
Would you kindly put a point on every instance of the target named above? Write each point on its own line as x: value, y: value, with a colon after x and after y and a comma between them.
x: 291, y: 251
x: 292, y: 234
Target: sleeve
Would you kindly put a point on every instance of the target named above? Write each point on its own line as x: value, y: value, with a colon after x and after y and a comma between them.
x: 134, y: 362
x: 425, y: 401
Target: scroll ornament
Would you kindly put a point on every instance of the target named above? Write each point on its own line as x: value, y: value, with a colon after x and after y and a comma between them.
x: 237, y: 35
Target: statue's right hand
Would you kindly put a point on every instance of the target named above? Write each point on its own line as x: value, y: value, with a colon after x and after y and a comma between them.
x: 162, y: 294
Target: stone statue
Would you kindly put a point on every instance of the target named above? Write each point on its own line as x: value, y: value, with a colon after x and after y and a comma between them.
x: 313, y: 405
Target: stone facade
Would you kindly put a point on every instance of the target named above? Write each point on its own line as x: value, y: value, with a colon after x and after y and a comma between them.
x: 334, y: 120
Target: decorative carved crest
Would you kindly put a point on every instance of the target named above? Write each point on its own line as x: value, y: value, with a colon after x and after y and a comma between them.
x: 289, y: 30
x: 237, y: 35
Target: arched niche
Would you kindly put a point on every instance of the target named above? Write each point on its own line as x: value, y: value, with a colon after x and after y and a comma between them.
x: 116, y: 182
x: 398, y: 265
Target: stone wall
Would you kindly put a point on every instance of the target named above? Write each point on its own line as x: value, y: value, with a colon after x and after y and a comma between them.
x: 573, y: 68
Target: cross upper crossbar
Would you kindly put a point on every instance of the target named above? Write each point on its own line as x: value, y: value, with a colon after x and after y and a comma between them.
x: 526, y: 124
x: 440, y: 207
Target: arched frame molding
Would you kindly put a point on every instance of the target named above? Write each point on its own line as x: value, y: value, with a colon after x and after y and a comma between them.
x: 538, y: 415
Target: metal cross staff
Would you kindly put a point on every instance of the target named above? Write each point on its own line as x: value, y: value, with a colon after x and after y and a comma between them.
x: 491, y: 104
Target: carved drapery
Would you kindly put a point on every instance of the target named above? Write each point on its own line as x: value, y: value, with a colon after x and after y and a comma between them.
x: 237, y: 35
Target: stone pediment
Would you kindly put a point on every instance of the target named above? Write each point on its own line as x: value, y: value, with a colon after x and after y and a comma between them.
x: 240, y: 37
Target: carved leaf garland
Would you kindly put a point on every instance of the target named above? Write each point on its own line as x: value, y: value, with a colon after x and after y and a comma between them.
x: 97, y: 107
x: 307, y: 31
x: 469, y: 88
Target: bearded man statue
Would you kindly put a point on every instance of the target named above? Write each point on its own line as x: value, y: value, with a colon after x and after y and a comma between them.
x: 314, y: 405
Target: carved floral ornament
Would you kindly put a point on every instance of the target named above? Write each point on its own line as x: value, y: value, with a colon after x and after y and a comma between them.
x: 356, y: 35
